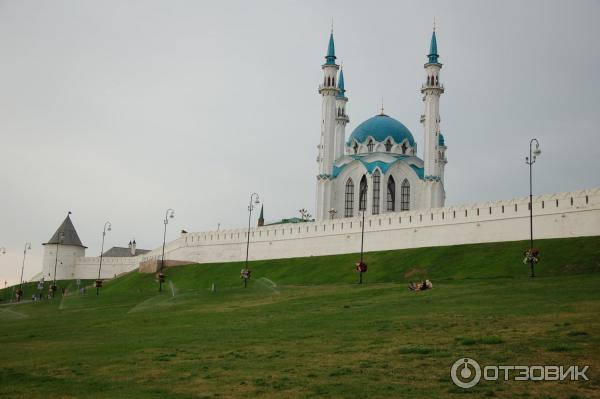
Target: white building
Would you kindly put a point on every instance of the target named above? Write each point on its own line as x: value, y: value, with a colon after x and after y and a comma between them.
x: 64, y: 257
x: 376, y: 169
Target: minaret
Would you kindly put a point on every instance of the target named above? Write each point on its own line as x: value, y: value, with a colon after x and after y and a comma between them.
x: 341, y: 119
x: 432, y: 157
x: 328, y: 91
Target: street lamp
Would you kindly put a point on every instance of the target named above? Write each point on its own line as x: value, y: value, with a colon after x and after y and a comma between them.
x: 250, y: 208
x: 2, y: 252
x: 107, y: 227
x: 169, y: 214
x: 20, y: 290
x: 530, y: 160
x: 362, y: 266
x: 61, y: 237
x: 332, y: 213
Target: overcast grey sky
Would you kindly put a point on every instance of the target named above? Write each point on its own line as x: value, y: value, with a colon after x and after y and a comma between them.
x: 117, y: 110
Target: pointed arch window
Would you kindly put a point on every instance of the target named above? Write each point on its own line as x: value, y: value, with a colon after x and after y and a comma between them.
x: 405, y: 196
x: 388, y: 145
x: 370, y: 146
x: 376, y: 191
x: 349, y: 199
x: 355, y: 147
x: 362, y: 201
x: 391, y: 195
x: 404, y: 148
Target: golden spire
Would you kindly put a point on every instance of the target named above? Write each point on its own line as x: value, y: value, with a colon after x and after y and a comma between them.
x: 382, y: 106
x: 433, y: 24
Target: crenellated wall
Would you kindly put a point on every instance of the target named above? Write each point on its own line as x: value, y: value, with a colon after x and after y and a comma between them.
x: 558, y: 215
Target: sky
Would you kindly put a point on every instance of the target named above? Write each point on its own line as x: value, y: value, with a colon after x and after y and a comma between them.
x: 116, y: 110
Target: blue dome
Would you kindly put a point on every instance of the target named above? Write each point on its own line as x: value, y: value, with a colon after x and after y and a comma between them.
x: 380, y: 127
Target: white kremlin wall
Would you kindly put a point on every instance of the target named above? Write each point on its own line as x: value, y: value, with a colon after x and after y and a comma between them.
x: 571, y: 214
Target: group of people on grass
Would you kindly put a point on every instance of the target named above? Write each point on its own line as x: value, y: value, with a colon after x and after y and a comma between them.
x: 420, y: 286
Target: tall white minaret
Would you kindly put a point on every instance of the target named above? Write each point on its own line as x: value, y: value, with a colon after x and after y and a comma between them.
x: 341, y: 119
x: 433, y: 157
x: 326, y: 157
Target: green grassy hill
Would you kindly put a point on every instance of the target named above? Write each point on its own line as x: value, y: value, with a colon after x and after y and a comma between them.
x: 304, y: 328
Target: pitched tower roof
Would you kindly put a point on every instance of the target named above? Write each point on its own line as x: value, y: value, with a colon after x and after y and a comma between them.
x: 433, y: 54
x: 70, y: 236
x: 330, y: 52
x: 342, y: 91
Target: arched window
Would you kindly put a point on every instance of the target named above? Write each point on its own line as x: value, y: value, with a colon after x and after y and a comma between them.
x: 362, y: 201
x: 355, y: 147
x: 376, y: 191
x: 388, y: 145
x: 391, y: 195
x: 405, y: 196
x: 349, y: 199
x: 370, y: 146
x: 404, y: 148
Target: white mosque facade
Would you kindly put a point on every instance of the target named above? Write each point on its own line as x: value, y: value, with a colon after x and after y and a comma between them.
x: 376, y: 170
x: 371, y: 183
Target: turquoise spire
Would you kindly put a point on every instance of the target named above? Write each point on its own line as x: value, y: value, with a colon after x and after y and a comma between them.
x: 330, y: 52
x: 433, y: 54
x: 341, y: 90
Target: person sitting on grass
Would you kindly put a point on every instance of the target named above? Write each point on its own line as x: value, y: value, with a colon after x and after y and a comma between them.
x: 422, y: 286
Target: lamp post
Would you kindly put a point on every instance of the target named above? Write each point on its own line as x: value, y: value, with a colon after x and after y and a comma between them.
x: 107, y: 227
x: 362, y: 267
x: 304, y: 214
x: 20, y: 290
x: 530, y: 160
x: 332, y: 213
x: 250, y: 208
x: 61, y: 237
x: 2, y: 252
x: 169, y: 214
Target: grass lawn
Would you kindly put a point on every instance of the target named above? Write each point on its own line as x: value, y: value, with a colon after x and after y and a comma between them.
x: 304, y: 328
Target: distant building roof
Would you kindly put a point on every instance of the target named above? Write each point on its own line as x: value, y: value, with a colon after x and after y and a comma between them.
x: 290, y: 220
x: 68, y: 232
x: 122, y: 252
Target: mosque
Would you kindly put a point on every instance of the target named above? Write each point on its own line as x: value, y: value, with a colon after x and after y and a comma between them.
x: 376, y: 170
x: 372, y: 188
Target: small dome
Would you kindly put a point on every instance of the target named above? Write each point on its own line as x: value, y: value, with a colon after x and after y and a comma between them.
x: 441, y: 141
x: 380, y: 127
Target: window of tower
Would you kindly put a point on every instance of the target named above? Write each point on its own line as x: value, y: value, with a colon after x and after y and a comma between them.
x: 391, y: 195
x: 376, y: 191
x: 362, y: 201
x: 349, y: 199
x: 370, y: 146
x: 388, y: 146
x: 405, y: 196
